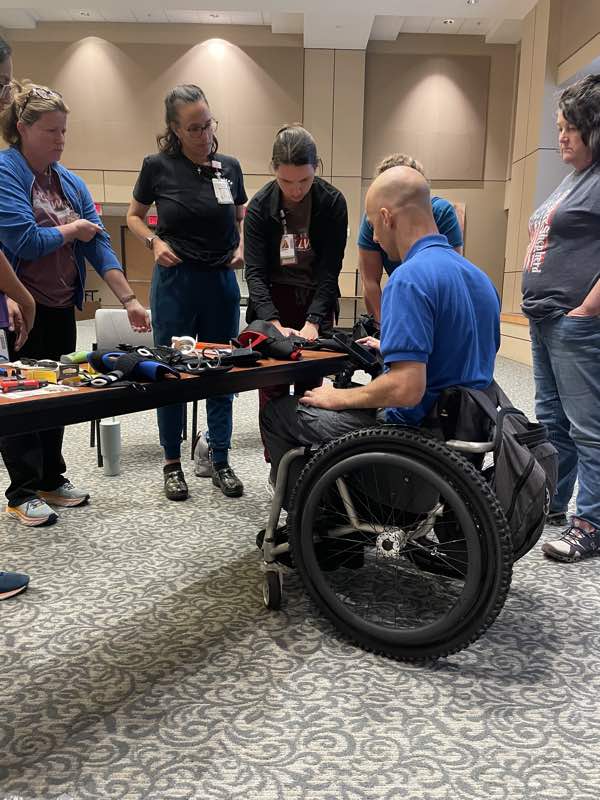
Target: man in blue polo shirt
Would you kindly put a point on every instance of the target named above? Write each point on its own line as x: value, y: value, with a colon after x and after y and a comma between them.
x: 440, y: 327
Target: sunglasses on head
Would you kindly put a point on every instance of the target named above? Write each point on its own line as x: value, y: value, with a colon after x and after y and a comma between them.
x: 42, y: 93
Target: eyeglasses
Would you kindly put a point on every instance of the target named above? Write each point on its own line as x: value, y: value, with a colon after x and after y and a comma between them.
x: 41, y: 92
x: 198, y: 130
x: 5, y: 89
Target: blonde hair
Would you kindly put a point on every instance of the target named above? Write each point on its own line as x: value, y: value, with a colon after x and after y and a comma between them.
x: 29, y: 102
x: 399, y: 160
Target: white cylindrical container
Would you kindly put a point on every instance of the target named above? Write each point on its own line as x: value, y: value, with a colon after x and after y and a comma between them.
x: 110, y: 443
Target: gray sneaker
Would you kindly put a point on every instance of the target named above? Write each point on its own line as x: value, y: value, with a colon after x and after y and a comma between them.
x: 580, y: 540
x: 32, y: 513
x: 202, y: 463
x: 66, y: 496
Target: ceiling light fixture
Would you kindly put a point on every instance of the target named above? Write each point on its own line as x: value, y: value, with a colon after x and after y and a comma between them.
x: 448, y: 21
x: 472, y: 2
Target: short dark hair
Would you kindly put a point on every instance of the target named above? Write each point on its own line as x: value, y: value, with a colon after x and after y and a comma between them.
x: 580, y: 105
x: 184, y: 93
x: 5, y: 50
x: 294, y: 145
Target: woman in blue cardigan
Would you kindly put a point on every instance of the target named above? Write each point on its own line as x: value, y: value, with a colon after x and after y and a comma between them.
x: 48, y: 229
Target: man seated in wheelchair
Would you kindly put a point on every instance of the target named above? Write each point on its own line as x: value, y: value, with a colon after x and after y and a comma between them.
x: 440, y: 327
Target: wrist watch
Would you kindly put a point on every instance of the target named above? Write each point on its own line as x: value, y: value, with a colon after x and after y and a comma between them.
x: 149, y: 240
x: 314, y: 318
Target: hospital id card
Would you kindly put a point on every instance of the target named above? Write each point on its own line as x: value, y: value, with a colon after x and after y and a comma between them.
x: 222, y: 191
x: 287, y: 250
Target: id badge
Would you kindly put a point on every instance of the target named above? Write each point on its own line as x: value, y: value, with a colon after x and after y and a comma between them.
x: 287, y: 250
x: 222, y: 191
x: 3, y: 345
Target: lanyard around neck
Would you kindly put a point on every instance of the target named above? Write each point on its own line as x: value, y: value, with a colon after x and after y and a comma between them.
x: 282, y: 214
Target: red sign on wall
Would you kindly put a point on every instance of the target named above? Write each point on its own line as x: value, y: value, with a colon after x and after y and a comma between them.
x: 152, y: 220
x: 98, y: 207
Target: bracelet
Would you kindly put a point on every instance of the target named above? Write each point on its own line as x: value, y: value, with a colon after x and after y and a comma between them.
x: 128, y: 299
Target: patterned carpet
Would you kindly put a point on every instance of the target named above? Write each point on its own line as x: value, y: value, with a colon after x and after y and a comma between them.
x: 141, y: 663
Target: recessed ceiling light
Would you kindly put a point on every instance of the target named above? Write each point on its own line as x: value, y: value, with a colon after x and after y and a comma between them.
x: 448, y: 21
x: 472, y: 2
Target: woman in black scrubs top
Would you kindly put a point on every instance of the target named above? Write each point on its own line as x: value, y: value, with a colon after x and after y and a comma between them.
x: 295, y: 234
x: 199, y: 196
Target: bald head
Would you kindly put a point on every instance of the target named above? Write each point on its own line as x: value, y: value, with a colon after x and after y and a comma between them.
x: 399, y: 187
x: 398, y: 206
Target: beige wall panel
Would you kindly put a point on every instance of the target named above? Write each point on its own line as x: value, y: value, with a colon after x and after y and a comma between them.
x: 514, y: 216
x: 485, y: 233
x: 580, y: 60
x: 253, y: 183
x: 516, y: 331
x: 114, y: 120
x: 94, y: 180
x: 508, y: 291
x: 318, y: 101
x: 580, y: 22
x: 348, y: 107
x: 500, y: 115
x: 433, y: 107
x: 118, y: 186
x: 524, y: 87
x: 352, y: 190
x: 516, y: 349
x: 537, y: 76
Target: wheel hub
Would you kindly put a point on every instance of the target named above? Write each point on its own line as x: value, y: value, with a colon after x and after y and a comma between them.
x: 390, y: 543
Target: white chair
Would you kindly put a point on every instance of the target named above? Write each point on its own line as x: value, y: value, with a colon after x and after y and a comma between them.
x: 113, y: 329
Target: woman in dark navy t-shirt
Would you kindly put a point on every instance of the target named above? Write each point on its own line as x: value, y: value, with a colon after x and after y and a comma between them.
x: 199, y: 196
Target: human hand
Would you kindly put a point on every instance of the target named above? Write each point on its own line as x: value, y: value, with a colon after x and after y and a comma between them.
x: 310, y: 331
x: 285, y: 331
x: 163, y: 254
x: 18, y: 323
x: 370, y: 341
x: 85, y: 230
x: 237, y: 259
x: 581, y: 311
x: 325, y: 396
x: 138, y: 317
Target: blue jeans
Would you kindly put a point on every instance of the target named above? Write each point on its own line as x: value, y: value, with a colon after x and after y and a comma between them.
x: 566, y: 368
x: 186, y: 301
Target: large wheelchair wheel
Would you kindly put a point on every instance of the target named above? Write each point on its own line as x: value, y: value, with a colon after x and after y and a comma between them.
x: 400, y: 542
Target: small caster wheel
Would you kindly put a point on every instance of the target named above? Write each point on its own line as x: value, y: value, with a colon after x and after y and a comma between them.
x: 272, y: 590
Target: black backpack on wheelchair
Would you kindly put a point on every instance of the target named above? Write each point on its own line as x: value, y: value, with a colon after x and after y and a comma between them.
x: 525, y: 467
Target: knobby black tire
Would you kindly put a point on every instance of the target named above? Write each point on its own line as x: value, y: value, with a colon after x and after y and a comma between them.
x: 460, y: 475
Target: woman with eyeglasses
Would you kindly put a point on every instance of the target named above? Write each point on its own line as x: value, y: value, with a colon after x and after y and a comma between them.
x: 48, y: 229
x: 199, y: 195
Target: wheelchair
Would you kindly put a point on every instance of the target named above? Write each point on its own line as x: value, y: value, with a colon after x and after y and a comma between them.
x: 396, y: 537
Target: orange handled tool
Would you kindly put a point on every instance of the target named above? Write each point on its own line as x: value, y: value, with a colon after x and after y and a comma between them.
x: 21, y: 385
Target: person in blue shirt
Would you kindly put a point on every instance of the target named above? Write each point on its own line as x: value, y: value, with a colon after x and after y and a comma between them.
x: 440, y: 328
x: 373, y: 260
